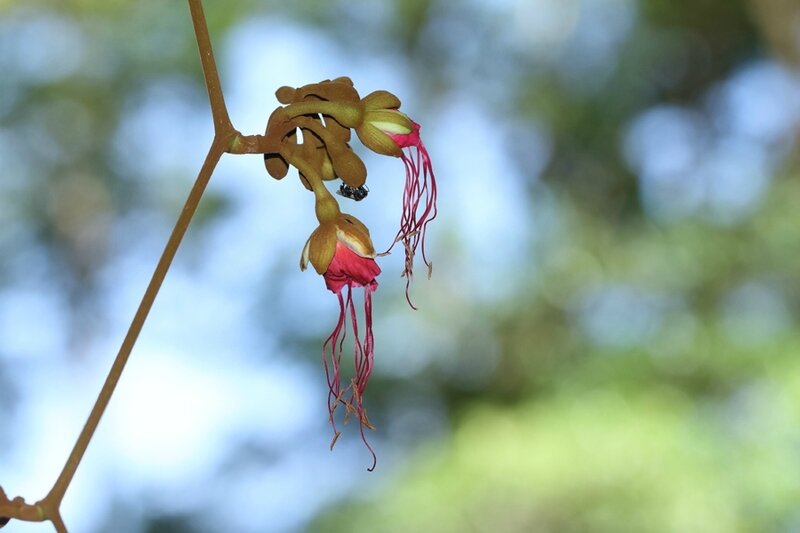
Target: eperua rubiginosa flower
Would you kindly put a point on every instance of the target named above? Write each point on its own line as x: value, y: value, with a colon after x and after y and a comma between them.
x: 340, y: 249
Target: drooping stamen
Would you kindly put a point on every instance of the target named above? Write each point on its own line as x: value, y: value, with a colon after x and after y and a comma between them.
x: 334, y: 354
x: 419, y: 202
x: 363, y: 360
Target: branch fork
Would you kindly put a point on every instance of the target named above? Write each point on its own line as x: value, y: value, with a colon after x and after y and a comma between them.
x: 227, y: 139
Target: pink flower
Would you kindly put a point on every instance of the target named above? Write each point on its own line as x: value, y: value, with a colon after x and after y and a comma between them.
x: 419, y: 200
x: 386, y: 130
x: 349, y: 269
x: 341, y: 250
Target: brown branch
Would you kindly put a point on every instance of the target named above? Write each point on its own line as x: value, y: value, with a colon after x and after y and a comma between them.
x: 189, y: 208
x: 253, y: 144
x: 48, y: 508
x: 225, y: 138
x: 219, y: 111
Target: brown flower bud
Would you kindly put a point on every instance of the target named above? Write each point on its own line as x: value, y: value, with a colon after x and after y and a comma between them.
x: 286, y: 95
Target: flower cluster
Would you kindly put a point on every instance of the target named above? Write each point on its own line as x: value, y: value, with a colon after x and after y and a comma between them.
x: 341, y: 249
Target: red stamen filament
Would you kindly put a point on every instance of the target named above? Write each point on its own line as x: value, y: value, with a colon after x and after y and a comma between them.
x: 363, y: 362
x: 419, y: 209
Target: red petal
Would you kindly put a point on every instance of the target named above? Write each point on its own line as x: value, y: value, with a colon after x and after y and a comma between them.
x: 405, y: 140
x: 349, y: 268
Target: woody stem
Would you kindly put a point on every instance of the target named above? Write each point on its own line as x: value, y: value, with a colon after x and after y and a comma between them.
x: 224, y: 136
x: 219, y: 111
x: 57, y: 492
x: 348, y: 114
x: 326, y: 205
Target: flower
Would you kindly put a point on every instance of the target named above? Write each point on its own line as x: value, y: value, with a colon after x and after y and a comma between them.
x: 380, y: 120
x: 341, y: 250
x: 419, y: 200
x: 382, y: 128
x: 386, y: 130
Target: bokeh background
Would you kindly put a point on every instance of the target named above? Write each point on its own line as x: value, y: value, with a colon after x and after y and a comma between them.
x: 609, y: 341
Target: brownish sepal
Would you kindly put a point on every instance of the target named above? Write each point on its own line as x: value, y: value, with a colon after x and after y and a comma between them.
x: 277, y: 167
x: 325, y: 147
x: 314, y: 157
x: 304, y: 181
x: 286, y: 94
x: 342, y: 133
x: 339, y: 161
x: 337, y: 90
x: 333, y: 91
x: 343, y: 79
x: 326, y: 166
x: 311, y: 135
x: 279, y: 131
x: 347, y: 165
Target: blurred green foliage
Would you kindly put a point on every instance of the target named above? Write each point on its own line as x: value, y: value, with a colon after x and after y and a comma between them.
x: 694, y: 429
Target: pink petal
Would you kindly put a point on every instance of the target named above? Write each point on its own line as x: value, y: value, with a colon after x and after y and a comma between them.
x: 349, y: 268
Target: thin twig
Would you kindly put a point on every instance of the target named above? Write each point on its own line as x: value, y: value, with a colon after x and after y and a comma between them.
x: 219, y: 111
x: 225, y: 137
x: 189, y: 208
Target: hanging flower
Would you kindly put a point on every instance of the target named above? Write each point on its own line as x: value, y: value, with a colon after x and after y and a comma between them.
x: 380, y: 119
x: 389, y: 131
x: 341, y: 250
x: 419, y: 201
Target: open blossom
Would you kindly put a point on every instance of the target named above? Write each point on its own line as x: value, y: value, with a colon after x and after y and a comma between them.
x: 389, y: 131
x: 341, y: 250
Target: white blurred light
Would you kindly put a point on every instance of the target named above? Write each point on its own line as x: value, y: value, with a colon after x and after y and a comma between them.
x: 542, y: 27
x: 163, y: 133
x: 170, y: 403
x: 665, y: 140
x: 686, y: 168
x: 40, y: 47
x: 591, y: 56
x: 620, y: 316
x: 484, y: 195
x: 760, y: 102
x: 20, y: 311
